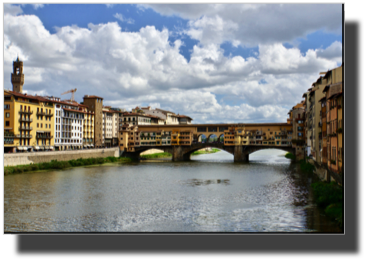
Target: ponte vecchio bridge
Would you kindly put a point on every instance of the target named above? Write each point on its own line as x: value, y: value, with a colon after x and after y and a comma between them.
x: 182, y: 140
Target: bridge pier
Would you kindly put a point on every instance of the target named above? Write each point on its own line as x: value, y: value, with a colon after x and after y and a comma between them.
x: 133, y: 155
x: 178, y: 154
x: 240, y: 155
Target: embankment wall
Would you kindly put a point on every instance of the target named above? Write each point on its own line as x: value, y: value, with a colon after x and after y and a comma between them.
x: 14, y: 159
x: 326, y: 175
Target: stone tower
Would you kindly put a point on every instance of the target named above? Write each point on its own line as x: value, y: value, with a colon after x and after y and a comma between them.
x: 17, y: 76
x: 95, y: 103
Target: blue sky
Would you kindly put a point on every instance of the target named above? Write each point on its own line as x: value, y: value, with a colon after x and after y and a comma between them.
x: 214, y: 63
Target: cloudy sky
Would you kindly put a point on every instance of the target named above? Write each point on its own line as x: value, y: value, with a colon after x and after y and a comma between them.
x: 212, y: 62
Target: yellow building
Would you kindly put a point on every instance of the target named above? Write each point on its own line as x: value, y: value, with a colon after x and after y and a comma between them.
x: 29, y: 122
x: 88, y: 129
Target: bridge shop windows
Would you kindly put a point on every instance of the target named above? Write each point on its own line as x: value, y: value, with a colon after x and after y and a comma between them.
x: 201, y: 129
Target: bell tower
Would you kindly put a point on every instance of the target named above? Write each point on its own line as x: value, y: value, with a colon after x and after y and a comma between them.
x: 17, y: 76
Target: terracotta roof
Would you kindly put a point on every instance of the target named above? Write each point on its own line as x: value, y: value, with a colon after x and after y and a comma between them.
x: 323, y: 98
x: 164, y: 110
x: 335, y: 95
x: 92, y: 97
x: 73, y: 110
x: 184, y: 116
x: 18, y: 94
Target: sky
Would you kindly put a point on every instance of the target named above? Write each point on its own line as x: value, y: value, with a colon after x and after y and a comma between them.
x: 217, y: 63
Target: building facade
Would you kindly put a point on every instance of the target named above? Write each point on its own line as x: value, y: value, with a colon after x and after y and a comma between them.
x: 95, y: 105
x: 334, y: 119
x: 28, y: 123
x: 297, y: 118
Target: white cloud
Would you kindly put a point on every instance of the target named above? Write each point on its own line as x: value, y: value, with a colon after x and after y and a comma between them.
x: 144, y: 68
x: 253, y: 24
x: 120, y: 17
x: 37, y: 6
x: 12, y: 9
x: 109, y: 5
x: 334, y: 51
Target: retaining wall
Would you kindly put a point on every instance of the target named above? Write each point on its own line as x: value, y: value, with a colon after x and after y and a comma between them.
x: 14, y: 159
x: 325, y: 174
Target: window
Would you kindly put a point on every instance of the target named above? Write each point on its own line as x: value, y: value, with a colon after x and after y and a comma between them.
x: 6, y: 106
x: 7, y: 123
x: 37, y: 124
x: 46, y: 125
x: 7, y: 114
x: 49, y: 126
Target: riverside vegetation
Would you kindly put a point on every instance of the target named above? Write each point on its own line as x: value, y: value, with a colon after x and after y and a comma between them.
x: 328, y: 196
x: 58, y: 165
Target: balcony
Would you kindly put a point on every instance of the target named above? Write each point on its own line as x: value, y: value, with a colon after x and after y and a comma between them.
x: 9, y: 135
x: 25, y: 112
x: 25, y: 120
x: 21, y: 136
x: 25, y: 128
x: 48, y: 136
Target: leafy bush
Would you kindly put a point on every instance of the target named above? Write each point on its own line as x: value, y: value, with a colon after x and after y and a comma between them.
x: 18, y: 170
x: 327, y: 193
x: 100, y: 160
x: 330, y: 197
x: 306, y: 167
x: 111, y: 159
x: 290, y: 156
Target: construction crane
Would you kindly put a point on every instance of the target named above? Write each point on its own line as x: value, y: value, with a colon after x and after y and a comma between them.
x: 70, y: 91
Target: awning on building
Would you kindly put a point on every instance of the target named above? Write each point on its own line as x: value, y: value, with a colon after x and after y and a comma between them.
x: 20, y: 148
x: 24, y: 148
x: 42, y: 148
x: 36, y: 147
x: 51, y: 147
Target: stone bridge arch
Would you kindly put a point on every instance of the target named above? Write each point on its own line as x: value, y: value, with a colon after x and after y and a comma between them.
x: 194, y: 147
x: 251, y: 149
x: 183, y: 153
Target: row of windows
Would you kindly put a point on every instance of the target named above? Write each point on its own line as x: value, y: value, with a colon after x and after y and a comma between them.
x: 41, y: 125
x: 41, y: 118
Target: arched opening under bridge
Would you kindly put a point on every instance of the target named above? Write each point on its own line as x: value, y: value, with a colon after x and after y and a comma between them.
x: 202, y: 138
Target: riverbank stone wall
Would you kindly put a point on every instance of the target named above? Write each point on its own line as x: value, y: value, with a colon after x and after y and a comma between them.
x: 14, y: 159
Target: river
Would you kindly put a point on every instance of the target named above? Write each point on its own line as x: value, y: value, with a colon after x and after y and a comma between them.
x: 210, y: 193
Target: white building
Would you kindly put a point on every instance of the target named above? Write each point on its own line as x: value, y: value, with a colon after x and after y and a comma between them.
x: 69, y: 118
x: 169, y: 117
x: 110, y: 126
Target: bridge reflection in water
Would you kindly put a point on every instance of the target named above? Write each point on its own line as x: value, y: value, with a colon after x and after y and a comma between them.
x: 182, y: 140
